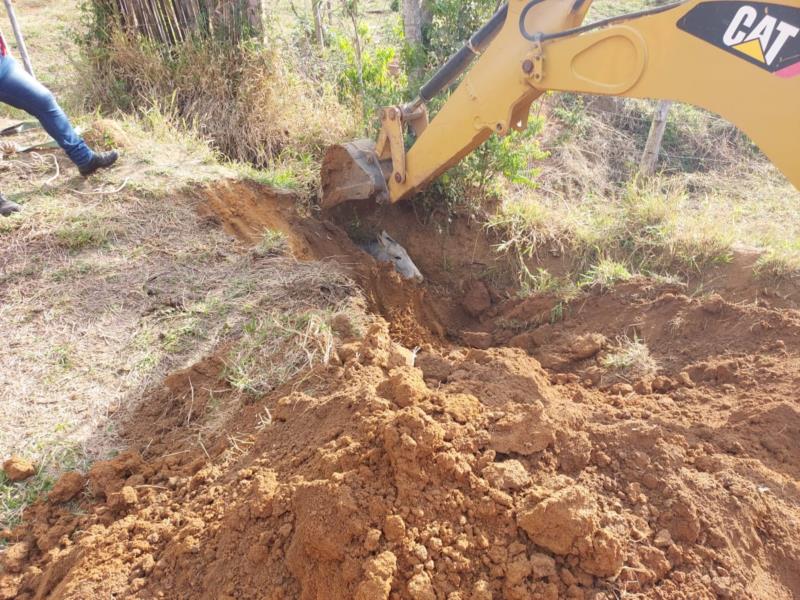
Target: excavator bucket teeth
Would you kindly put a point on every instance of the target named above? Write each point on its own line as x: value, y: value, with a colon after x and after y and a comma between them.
x: 352, y: 171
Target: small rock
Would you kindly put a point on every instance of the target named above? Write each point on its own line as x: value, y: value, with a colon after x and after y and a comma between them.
x: 621, y: 389
x: 15, y: 556
x: 17, y: 468
x: 123, y: 500
x: 663, y: 538
x: 379, y: 572
x: 434, y: 366
x: 372, y: 540
x: 507, y: 475
x: 394, y: 528
x: 685, y: 379
x: 481, y: 591
x: 421, y: 588
x: 517, y: 570
x: 587, y: 345
x: 66, y: 488
x: 542, y: 565
x: 662, y: 384
x: 477, y: 299
x: 477, y: 339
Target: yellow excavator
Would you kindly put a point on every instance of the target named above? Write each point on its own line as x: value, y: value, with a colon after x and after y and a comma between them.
x: 738, y: 59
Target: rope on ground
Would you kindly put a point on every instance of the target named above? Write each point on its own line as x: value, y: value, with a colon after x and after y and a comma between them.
x: 102, y: 191
x: 55, y: 162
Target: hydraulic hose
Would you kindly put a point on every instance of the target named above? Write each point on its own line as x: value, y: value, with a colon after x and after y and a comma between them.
x: 462, y: 59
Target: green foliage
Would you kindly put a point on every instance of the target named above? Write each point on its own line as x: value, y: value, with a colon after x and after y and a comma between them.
x: 452, y: 23
x: 370, y: 79
x: 605, y: 274
x: 499, y: 163
x: 571, y: 112
x: 273, y: 243
x: 80, y: 234
x: 512, y: 156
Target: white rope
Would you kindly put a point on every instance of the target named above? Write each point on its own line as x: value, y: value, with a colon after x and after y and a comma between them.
x: 101, y: 191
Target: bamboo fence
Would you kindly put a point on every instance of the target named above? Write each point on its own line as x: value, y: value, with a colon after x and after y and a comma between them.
x: 173, y: 21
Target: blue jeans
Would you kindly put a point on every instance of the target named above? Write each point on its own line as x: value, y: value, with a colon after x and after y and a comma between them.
x: 22, y: 91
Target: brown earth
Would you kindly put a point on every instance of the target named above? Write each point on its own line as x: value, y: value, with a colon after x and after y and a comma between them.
x: 519, y: 469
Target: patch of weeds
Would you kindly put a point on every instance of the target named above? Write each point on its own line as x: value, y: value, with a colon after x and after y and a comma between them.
x: 52, y: 459
x: 81, y: 234
x: 62, y: 356
x: 513, y: 325
x: 604, y: 274
x: 540, y: 282
x: 277, y: 346
x: 30, y: 269
x: 557, y: 313
x: 543, y: 282
x: 11, y: 223
x: 777, y: 264
x: 175, y: 338
x: 523, y: 225
x: 273, y: 243
x: 666, y: 278
x: 630, y: 359
x: 72, y: 271
x: 16, y: 497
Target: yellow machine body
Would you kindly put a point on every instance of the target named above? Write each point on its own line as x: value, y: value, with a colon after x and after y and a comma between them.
x: 740, y: 60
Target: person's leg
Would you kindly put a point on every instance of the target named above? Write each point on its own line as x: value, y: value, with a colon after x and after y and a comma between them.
x: 22, y: 91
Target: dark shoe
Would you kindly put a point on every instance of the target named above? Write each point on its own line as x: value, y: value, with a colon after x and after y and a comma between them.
x: 101, y: 160
x: 7, y: 207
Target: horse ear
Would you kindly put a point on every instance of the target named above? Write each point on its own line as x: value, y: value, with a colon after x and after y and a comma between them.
x: 387, y: 238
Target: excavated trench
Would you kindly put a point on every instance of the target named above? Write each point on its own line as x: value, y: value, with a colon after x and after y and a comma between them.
x: 469, y: 446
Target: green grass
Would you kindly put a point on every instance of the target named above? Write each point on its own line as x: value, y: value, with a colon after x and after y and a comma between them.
x: 83, y: 233
x: 273, y: 243
x: 778, y: 263
x: 55, y: 457
x: 276, y: 346
x: 604, y: 274
x: 16, y: 497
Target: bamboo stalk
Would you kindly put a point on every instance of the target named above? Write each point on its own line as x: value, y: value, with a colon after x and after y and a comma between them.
x: 169, y: 22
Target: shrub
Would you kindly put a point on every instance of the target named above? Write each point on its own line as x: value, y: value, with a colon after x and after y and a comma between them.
x: 251, y: 103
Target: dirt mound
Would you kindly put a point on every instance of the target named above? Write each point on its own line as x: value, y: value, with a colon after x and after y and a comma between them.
x: 470, y: 474
x: 452, y: 472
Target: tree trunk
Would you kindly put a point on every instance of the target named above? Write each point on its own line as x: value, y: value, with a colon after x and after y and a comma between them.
x: 652, y: 148
x: 319, y: 25
x: 415, y: 17
x: 257, y: 17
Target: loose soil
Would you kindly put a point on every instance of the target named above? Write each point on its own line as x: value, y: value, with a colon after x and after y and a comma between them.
x: 470, y: 445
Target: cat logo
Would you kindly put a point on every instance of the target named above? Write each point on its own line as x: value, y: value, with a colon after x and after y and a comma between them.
x: 766, y: 35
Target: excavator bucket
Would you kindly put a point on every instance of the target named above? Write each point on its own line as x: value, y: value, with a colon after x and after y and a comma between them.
x: 352, y: 171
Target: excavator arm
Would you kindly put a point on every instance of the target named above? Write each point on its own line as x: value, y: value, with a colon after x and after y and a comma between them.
x: 738, y: 59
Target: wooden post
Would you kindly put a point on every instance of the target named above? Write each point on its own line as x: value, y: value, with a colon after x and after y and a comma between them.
x: 23, y: 50
x: 652, y: 148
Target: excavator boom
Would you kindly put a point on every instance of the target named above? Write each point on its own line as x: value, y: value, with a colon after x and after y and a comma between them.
x: 738, y: 59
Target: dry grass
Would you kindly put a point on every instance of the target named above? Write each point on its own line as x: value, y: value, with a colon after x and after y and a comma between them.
x: 628, y: 360
x: 102, y: 294
x: 252, y: 104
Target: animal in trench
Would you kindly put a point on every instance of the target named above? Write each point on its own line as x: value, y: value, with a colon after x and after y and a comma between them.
x: 385, y: 249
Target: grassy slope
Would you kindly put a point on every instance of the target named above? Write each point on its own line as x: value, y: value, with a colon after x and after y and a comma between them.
x: 108, y: 284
